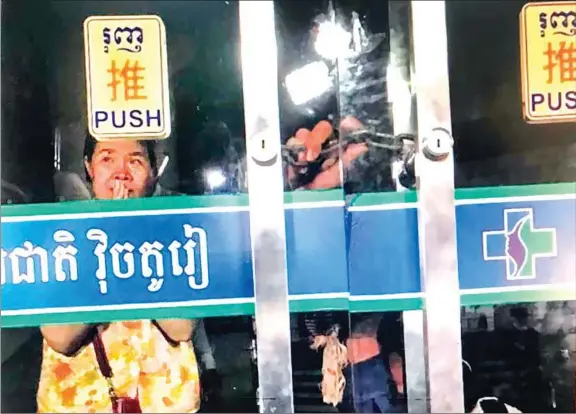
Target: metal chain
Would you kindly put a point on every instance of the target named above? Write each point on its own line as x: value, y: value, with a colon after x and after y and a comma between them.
x: 306, y: 171
x: 371, y: 138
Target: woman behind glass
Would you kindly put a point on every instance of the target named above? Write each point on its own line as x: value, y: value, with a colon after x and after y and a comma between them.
x: 152, y: 362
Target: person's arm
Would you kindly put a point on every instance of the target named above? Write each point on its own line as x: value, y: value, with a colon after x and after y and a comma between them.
x: 397, y: 370
x: 177, y: 330
x: 65, y: 339
x: 202, y: 346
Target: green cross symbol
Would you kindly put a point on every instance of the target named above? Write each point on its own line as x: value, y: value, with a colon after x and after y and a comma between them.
x: 519, y: 244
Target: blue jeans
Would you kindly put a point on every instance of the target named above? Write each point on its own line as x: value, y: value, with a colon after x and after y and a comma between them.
x: 369, y: 388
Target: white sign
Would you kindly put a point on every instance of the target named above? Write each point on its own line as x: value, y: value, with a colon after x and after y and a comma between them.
x: 548, y: 61
x: 126, y: 77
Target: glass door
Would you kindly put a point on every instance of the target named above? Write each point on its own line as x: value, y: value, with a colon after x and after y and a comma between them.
x: 372, y: 230
x: 143, y: 243
x: 344, y: 208
x: 512, y: 96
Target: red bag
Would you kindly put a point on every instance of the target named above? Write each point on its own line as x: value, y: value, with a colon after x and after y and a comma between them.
x: 119, y: 404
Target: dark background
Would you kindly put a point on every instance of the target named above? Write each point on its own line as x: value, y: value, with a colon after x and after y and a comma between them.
x: 43, y: 99
x: 43, y: 89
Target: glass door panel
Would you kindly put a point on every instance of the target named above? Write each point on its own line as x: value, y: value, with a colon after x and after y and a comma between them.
x: 377, y: 139
x: 316, y: 238
x: 516, y: 200
x: 147, y: 240
x: 521, y: 353
x: 335, y: 71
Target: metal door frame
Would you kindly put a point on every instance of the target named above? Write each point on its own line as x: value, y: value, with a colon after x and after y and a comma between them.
x: 258, y: 48
x: 439, y: 322
x: 432, y: 336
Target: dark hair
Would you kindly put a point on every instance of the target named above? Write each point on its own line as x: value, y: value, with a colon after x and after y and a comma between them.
x: 520, y: 313
x: 149, y: 146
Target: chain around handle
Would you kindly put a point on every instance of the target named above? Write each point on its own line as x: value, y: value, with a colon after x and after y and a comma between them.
x: 333, y: 146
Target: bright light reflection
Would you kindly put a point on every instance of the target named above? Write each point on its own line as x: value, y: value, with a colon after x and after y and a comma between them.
x: 332, y: 41
x: 308, y: 82
x: 215, y: 178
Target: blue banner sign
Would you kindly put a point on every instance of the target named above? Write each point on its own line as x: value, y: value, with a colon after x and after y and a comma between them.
x: 172, y: 258
x: 514, y: 244
x: 383, y: 249
x: 146, y: 257
x: 522, y: 243
x: 191, y: 256
x: 517, y: 243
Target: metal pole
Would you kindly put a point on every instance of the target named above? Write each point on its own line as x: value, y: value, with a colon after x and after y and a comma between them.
x: 436, y: 212
x: 266, y: 194
x: 404, y: 121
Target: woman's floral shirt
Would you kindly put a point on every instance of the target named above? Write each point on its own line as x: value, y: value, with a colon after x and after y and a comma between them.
x: 163, y: 377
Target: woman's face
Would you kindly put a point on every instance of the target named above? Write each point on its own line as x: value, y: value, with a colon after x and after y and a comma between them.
x: 119, y: 169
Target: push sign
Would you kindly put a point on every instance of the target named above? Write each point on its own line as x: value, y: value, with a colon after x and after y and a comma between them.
x: 127, y: 77
x: 548, y: 53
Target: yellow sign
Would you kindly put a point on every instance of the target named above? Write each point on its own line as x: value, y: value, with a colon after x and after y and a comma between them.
x: 127, y: 77
x: 548, y: 61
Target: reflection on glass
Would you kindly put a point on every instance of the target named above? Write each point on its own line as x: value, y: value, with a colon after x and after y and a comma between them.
x: 523, y: 355
x: 44, y: 109
x: 12, y: 194
x: 335, y: 111
x: 334, y: 103
x: 229, y: 385
x: 358, y: 366
x: 27, y: 161
x: 367, y: 87
x: 308, y: 82
x: 376, y: 364
x: 318, y: 360
x: 493, y: 144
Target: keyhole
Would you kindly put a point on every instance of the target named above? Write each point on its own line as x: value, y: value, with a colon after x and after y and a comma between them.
x: 438, y: 143
x: 263, y: 144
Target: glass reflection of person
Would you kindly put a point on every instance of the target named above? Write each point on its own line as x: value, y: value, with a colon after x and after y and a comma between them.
x: 152, y: 361
x: 375, y: 373
x: 375, y: 376
x: 330, y: 174
x: 529, y: 387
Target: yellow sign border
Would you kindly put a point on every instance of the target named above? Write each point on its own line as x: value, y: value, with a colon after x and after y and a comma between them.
x: 165, y: 81
x: 530, y: 119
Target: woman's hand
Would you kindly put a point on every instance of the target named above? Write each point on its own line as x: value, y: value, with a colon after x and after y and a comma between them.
x: 119, y: 191
x: 330, y: 175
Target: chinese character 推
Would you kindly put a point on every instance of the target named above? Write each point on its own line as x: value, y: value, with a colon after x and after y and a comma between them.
x: 562, y: 60
x: 128, y: 77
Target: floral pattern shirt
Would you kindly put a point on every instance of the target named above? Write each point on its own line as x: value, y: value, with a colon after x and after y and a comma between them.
x: 144, y: 365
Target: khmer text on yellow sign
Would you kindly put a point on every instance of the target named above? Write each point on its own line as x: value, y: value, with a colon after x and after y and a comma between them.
x: 548, y: 53
x: 127, y: 77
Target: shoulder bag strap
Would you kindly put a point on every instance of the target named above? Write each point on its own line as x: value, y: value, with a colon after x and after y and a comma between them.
x: 104, y: 366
